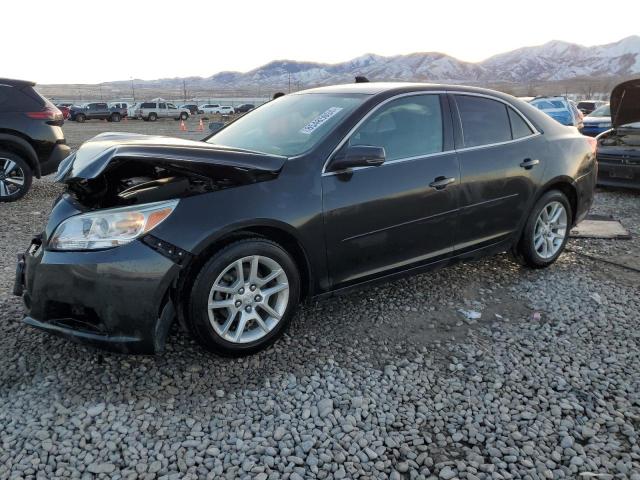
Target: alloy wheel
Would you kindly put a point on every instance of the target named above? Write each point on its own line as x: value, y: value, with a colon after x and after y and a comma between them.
x: 550, y: 229
x: 248, y: 299
x: 12, y: 178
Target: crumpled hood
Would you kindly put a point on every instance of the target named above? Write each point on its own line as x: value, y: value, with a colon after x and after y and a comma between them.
x: 625, y: 103
x: 95, y: 155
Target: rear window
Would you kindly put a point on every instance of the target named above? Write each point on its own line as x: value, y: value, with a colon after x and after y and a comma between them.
x: 484, y: 121
x: 14, y: 99
x: 148, y: 105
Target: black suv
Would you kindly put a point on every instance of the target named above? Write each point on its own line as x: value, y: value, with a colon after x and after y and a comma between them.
x: 31, y: 140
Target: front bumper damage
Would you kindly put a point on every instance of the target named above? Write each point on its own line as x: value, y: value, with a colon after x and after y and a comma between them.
x: 116, y: 299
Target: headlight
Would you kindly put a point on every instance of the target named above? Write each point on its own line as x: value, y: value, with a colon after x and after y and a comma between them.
x: 604, y: 125
x: 110, y: 228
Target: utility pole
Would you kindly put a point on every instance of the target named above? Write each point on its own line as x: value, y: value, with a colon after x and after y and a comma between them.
x: 184, y: 89
x: 289, y: 82
x: 100, y: 92
x: 133, y: 91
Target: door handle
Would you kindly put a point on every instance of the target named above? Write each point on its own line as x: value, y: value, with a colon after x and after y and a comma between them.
x: 528, y: 163
x: 441, y: 182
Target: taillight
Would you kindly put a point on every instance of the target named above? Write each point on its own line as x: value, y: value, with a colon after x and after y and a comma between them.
x: 49, y: 113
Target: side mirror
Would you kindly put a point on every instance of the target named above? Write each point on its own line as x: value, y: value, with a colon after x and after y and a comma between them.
x: 358, y: 156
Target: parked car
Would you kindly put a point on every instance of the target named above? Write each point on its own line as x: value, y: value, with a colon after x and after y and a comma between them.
x: 597, y: 121
x: 226, y: 110
x: 151, y: 111
x: 619, y: 147
x: 32, y: 143
x: 64, y: 110
x: 560, y: 109
x: 588, y: 106
x: 96, y: 111
x: 121, y: 105
x: 319, y: 192
x: 131, y: 110
x: 192, y: 107
x: 244, y: 108
x: 209, y: 108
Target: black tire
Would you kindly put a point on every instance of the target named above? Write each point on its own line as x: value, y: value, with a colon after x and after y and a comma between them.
x: 9, y: 191
x: 80, y: 118
x: 197, y: 312
x: 116, y: 117
x: 153, y: 117
x: 184, y: 116
x: 526, y: 251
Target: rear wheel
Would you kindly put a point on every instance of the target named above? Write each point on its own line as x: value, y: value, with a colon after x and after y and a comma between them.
x: 244, y: 297
x: 115, y: 117
x: 15, y: 177
x: 547, y: 230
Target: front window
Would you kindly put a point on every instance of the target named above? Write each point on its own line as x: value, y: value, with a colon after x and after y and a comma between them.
x: 290, y: 125
x: 407, y: 127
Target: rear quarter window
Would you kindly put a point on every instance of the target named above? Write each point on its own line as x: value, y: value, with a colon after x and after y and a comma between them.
x: 13, y: 99
x: 148, y: 105
x: 519, y: 128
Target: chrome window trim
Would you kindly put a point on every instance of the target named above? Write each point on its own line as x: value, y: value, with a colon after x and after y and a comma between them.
x: 535, y: 131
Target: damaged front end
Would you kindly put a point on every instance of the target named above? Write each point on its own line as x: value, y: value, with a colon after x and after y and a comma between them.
x: 98, y: 274
x: 113, y: 170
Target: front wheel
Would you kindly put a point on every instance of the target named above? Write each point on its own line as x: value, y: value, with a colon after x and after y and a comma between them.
x: 80, y: 118
x: 153, y: 117
x: 244, y: 297
x: 15, y: 177
x: 547, y: 230
x: 115, y: 117
x: 184, y: 116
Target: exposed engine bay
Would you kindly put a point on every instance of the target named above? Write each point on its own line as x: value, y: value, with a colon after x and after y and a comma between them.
x: 126, y: 169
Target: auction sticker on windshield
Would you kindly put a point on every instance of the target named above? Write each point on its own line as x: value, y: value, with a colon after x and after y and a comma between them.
x: 313, y: 125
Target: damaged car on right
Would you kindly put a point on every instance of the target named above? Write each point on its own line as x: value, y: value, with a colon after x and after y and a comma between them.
x: 619, y: 148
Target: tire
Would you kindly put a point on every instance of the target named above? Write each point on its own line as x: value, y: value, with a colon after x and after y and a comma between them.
x: 15, y: 177
x: 237, y: 304
x: 153, y: 117
x: 184, y: 116
x: 540, y: 245
x: 80, y: 118
x: 115, y: 117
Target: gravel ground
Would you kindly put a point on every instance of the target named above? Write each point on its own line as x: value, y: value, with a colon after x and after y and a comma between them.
x: 391, y: 382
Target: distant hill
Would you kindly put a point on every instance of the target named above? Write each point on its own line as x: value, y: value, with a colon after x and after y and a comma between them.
x: 555, y: 61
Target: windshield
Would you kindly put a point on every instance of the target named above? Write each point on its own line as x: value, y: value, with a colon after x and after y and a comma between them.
x: 603, y: 111
x: 289, y: 125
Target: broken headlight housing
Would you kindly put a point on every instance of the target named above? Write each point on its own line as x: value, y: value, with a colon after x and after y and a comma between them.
x: 109, y: 228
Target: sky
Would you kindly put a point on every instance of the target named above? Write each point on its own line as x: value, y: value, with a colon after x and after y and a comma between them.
x: 85, y: 41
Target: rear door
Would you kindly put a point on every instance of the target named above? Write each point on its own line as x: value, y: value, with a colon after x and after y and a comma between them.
x: 387, y: 218
x: 162, y: 110
x: 501, y: 162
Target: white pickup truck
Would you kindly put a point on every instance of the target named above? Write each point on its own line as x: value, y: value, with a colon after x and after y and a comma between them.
x: 159, y: 108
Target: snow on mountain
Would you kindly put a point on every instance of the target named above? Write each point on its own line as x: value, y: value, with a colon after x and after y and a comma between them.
x: 555, y: 60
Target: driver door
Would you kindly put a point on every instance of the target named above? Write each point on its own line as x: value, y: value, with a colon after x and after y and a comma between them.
x: 382, y: 219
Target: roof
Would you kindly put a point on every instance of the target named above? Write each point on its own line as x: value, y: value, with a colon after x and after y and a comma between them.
x: 374, y: 88
x: 16, y: 83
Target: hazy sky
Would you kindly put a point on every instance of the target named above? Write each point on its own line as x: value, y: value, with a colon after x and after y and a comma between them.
x: 85, y: 41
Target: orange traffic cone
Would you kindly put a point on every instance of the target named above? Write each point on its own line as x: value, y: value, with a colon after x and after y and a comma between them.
x: 201, y: 126
x: 183, y: 127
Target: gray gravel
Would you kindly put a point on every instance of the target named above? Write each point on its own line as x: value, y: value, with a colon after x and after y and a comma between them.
x: 393, y: 382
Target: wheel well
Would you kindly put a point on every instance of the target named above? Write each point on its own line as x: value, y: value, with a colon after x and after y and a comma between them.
x: 569, y: 191
x: 20, y: 150
x: 284, y: 239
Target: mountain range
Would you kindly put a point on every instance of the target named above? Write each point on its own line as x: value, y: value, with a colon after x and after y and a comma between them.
x: 555, y: 60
